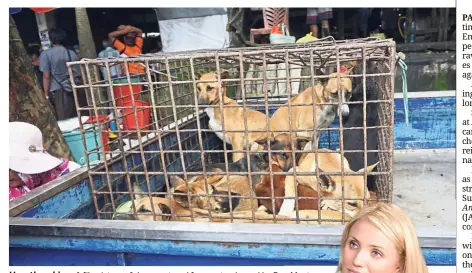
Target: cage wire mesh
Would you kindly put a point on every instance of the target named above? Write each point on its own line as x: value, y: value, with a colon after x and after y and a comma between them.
x: 154, y: 140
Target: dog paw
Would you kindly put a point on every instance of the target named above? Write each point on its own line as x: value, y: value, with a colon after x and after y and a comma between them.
x: 285, y: 213
x: 287, y: 206
x: 262, y: 208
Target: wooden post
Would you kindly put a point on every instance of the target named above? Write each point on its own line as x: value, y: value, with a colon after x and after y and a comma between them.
x: 446, y: 24
x: 442, y: 27
x: 27, y: 100
x: 434, y: 24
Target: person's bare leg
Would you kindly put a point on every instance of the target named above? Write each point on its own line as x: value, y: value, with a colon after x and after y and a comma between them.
x: 325, y: 28
x: 314, y: 30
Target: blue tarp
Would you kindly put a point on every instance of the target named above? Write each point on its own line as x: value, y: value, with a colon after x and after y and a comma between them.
x: 14, y: 10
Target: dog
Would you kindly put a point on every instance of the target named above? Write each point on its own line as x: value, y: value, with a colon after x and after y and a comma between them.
x: 355, y: 137
x: 240, y: 185
x: 282, y: 145
x: 330, y: 185
x: 325, y: 91
x: 264, y: 189
x: 209, y: 200
x: 208, y: 94
x: 145, y: 205
x: 162, y: 206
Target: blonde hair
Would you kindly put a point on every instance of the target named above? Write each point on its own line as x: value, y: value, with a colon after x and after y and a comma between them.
x: 396, y: 225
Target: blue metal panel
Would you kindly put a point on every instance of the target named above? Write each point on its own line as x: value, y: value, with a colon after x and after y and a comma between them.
x: 151, y: 252
x: 62, y: 204
x: 168, y: 252
x: 432, y: 124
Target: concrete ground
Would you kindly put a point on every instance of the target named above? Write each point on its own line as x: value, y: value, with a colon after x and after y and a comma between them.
x: 424, y: 186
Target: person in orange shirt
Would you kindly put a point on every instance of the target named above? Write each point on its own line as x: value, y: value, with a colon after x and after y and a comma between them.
x: 131, y: 46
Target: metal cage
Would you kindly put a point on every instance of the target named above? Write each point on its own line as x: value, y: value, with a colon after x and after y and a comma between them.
x: 162, y: 130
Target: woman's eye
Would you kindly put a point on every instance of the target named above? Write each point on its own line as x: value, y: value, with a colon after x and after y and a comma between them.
x: 376, y: 254
x: 352, y: 244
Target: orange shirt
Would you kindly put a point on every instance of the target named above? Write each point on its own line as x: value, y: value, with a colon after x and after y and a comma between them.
x: 134, y: 68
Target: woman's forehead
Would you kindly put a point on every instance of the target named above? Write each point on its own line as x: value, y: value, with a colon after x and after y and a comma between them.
x: 369, y: 235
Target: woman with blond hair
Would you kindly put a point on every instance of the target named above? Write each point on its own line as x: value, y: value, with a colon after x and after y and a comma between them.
x: 381, y: 238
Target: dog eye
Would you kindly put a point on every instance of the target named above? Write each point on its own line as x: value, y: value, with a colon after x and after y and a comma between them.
x: 199, y: 89
x: 209, y: 88
x: 266, y: 157
x: 352, y: 203
x: 143, y: 209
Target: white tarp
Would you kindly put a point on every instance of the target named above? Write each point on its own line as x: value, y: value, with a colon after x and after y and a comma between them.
x: 206, y: 32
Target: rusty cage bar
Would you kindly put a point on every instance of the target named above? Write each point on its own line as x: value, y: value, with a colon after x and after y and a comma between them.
x: 158, y: 151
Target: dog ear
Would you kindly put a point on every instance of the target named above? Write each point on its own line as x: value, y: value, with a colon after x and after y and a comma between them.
x: 349, y: 67
x: 324, y: 80
x: 224, y: 75
x: 319, y: 72
x: 348, y: 71
x: 262, y: 142
x: 165, y: 210
x: 137, y: 189
x: 301, y: 142
x: 254, y: 147
x: 181, y: 199
x: 198, y: 75
x: 176, y: 181
x: 369, y: 168
x: 326, y: 183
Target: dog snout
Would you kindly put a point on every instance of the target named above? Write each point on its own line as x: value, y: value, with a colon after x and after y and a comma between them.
x: 222, y: 208
x: 345, y: 110
x: 286, y: 167
x: 202, y: 101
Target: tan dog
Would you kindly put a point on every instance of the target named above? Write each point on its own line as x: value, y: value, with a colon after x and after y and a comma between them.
x: 330, y: 185
x: 233, y: 116
x: 217, y: 195
x: 325, y: 91
x: 145, y: 205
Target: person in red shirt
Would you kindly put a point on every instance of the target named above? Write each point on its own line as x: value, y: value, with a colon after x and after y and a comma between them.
x: 131, y: 46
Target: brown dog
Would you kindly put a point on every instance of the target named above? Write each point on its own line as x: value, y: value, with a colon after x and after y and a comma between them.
x: 264, y: 189
x: 330, y: 185
x: 282, y: 147
x: 208, y: 94
x: 325, y: 91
